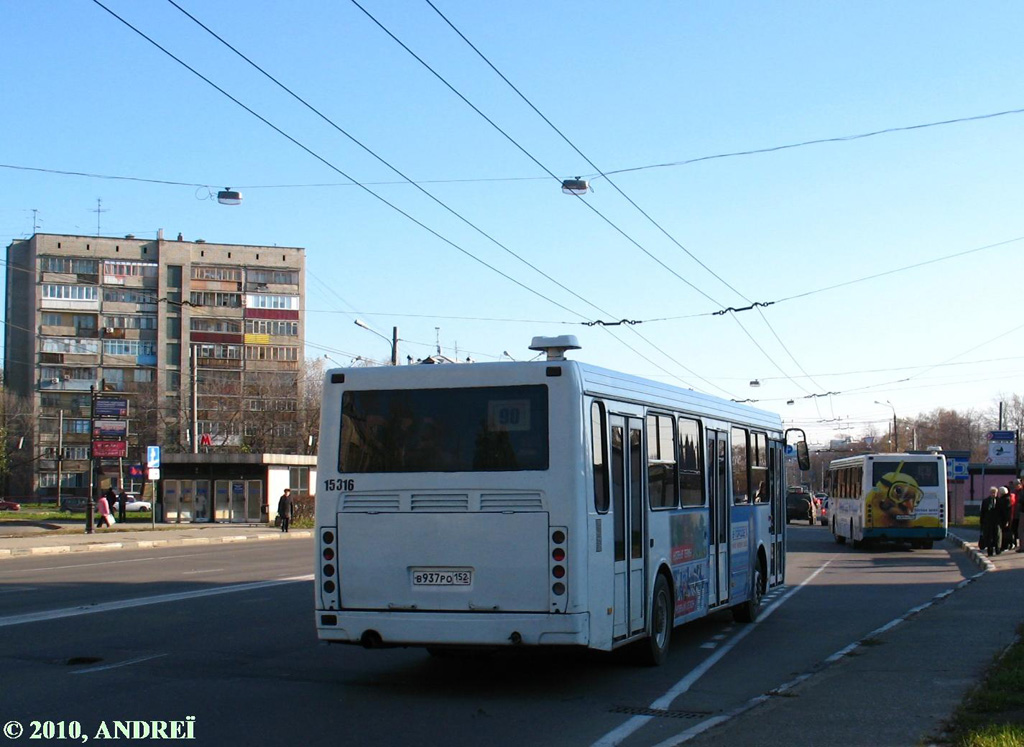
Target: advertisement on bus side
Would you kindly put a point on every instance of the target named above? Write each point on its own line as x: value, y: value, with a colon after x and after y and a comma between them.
x: 689, y: 558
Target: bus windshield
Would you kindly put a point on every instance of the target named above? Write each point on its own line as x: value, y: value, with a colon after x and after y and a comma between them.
x: 481, y: 429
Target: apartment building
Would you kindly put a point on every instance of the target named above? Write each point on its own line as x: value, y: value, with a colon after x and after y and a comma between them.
x: 204, y: 340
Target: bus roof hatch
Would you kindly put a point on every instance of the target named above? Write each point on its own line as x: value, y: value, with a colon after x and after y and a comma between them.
x: 555, y: 347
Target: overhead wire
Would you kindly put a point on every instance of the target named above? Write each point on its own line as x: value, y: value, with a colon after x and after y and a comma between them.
x: 334, y: 168
x: 618, y: 189
x: 685, y: 368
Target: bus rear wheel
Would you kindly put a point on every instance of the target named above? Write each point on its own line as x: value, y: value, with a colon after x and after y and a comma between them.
x: 653, y: 651
x: 747, y: 612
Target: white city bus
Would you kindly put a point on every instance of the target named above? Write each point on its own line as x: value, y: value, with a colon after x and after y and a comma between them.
x: 547, y: 503
x: 889, y: 497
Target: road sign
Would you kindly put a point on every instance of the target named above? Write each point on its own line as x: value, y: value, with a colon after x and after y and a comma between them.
x: 109, y: 449
x: 110, y: 407
x: 153, y: 457
x: 154, y: 474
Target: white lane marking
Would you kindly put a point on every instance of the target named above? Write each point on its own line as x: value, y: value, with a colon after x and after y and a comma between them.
x: 709, y: 645
x: 104, y: 667
x: 6, y: 622
x: 623, y: 732
x: 205, y: 570
x: 686, y: 736
x: 19, y: 588
x: 105, y: 562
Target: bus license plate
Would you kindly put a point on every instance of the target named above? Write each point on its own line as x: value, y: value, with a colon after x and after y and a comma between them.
x: 441, y: 577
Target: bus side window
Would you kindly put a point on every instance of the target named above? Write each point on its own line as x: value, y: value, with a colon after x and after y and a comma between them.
x: 662, y: 481
x: 691, y: 465
x: 759, y: 467
x: 740, y: 462
x: 599, y: 441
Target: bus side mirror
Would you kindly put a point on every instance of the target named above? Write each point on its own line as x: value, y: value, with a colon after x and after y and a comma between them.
x: 803, y: 456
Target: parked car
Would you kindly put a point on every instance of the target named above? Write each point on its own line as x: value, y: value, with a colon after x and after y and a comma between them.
x: 822, y: 499
x: 73, y: 503
x: 800, y: 505
x: 6, y: 505
x: 134, y: 503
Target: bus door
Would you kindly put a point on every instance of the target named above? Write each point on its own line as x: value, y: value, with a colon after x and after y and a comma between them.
x: 777, y: 521
x: 718, y: 516
x: 627, y: 468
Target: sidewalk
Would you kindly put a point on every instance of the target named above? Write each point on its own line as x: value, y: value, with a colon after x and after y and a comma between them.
x: 19, y: 541
x: 900, y: 685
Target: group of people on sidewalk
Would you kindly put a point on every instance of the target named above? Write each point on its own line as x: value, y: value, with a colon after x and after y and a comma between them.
x: 1001, y: 528
x: 105, y: 507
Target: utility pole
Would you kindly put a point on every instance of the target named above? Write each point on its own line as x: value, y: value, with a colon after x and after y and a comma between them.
x: 394, y: 346
x: 60, y: 452
x: 89, y: 505
x: 195, y: 400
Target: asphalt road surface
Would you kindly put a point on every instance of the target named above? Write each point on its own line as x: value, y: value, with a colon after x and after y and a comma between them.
x: 218, y: 642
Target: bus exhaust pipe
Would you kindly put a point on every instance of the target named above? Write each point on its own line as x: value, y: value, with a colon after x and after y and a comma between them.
x: 371, y: 639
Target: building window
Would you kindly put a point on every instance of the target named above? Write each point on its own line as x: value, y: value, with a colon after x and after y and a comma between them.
x: 272, y: 327
x: 71, y: 292
x: 280, y: 277
x: 145, y: 321
x: 129, y: 295
x: 298, y: 480
x: 215, y: 298
x: 204, y: 272
x: 228, y: 326
x: 271, y: 301
x: 271, y: 353
x: 69, y: 345
x: 69, y: 265
x: 129, y: 347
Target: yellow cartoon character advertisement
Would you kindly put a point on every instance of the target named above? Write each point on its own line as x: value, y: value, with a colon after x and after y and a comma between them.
x: 901, y: 496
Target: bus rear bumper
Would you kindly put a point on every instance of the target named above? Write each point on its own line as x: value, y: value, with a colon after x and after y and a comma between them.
x: 910, y: 533
x: 452, y: 629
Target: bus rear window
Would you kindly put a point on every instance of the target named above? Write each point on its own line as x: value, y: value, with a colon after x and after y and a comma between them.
x: 483, y: 429
x: 926, y: 474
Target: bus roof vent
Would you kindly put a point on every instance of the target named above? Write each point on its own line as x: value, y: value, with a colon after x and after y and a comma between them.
x: 555, y: 347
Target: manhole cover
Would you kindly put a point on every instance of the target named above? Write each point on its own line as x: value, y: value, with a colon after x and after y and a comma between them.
x: 659, y: 712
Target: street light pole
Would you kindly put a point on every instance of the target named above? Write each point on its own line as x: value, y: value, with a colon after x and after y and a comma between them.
x: 895, y: 437
x: 393, y: 341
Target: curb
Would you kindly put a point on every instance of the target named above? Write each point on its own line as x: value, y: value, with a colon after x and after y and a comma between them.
x: 976, y: 556
x: 145, y: 544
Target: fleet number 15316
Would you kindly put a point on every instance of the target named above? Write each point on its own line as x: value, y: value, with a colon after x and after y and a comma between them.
x: 339, y: 484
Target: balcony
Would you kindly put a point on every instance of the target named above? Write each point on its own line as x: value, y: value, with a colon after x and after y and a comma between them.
x: 219, y: 363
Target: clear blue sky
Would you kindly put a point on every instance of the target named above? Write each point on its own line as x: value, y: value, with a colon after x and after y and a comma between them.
x: 631, y: 85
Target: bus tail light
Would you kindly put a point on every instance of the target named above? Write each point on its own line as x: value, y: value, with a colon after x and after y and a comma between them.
x: 328, y: 568
x: 559, y: 568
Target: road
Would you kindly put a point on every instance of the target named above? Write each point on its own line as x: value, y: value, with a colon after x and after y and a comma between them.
x: 224, y: 634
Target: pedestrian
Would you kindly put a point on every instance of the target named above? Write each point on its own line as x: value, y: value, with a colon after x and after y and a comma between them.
x: 1005, y: 505
x: 991, y: 534
x: 1018, y: 507
x: 122, y: 504
x: 285, y: 505
x: 105, y: 518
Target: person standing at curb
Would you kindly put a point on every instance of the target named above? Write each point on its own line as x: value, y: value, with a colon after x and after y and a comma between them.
x: 991, y: 536
x: 1005, y: 512
x: 284, y: 509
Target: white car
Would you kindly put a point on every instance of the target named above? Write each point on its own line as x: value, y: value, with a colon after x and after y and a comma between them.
x: 134, y: 503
